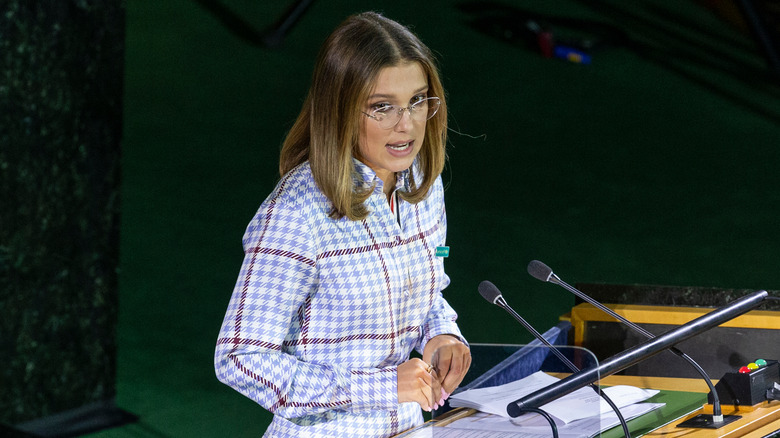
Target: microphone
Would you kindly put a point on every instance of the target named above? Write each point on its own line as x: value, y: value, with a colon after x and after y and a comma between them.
x: 639, y: 353
x: 542, y: 272
x: 491, y: 294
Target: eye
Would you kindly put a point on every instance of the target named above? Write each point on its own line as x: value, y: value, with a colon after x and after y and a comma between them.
x: 418, y: 98
x: 381, y: 108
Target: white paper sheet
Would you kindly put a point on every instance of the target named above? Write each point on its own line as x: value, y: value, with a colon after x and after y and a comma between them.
x: 580, y: 404
x: 482, y: 425
x: 536, y: 425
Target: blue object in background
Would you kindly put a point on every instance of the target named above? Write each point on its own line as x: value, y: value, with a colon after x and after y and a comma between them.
x: 571, y: 54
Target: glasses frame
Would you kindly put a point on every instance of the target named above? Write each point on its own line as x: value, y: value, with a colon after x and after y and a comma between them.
x: 411, y: 109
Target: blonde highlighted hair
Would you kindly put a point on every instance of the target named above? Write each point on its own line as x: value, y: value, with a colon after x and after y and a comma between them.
x: 327, y: 129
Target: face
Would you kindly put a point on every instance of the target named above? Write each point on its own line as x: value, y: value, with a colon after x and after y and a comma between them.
x: 387, y: 151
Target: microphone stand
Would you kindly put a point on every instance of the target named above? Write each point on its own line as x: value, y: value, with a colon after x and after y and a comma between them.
x: 717, y: 415
x: 640, y: 352
x: 501, y: 302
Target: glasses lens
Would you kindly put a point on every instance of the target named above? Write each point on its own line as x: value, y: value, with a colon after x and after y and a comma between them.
x: 425, y: 108
x: 433, y: 106
x: 391, y: 118
x: 390, y: 115
x: 387, y: 116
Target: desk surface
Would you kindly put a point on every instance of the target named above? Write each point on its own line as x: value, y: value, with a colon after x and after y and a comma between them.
x: 758, y: 423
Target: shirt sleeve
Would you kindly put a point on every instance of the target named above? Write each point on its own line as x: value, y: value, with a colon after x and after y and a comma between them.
x: 277, y: 276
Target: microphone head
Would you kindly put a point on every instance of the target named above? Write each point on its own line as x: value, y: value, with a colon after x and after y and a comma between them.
x: 539, y: 270
x: 489, y: 291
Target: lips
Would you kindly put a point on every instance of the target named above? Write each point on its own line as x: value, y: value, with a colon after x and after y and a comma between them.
x: 400, y: 149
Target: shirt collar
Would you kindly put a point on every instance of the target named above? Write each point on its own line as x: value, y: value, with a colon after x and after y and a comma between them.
x: 365, y: 177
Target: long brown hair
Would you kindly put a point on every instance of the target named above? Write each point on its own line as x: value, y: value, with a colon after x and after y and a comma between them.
x: 327, y: 129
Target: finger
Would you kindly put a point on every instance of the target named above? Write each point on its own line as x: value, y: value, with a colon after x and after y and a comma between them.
x: 433, y: 385
x: 458, y: 368
x: 465, y: 364
x: 445, y: 365
x: 436, y: 391
x: 444, y: 395
x: 427, y: 399
x: 442, y: 360
x: 430, y: 386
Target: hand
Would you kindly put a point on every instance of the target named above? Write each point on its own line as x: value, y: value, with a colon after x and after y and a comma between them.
x: 451, y: 358
x: 417, y: 384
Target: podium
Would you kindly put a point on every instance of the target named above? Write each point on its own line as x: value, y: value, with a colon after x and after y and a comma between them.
x: 497, y: 364
x: 685, y: 398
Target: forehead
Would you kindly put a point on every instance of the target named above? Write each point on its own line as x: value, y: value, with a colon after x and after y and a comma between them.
x: 400, y: 80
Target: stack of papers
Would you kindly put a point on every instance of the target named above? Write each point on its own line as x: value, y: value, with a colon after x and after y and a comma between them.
x: 579, y: 414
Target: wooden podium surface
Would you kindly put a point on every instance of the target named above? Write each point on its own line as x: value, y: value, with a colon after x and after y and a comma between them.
x: 759, y: 421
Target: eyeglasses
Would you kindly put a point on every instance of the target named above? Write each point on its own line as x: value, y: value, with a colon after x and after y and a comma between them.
x: 389, y: 115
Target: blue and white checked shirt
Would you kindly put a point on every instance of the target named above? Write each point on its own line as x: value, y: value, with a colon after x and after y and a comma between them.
x: 325, y: 310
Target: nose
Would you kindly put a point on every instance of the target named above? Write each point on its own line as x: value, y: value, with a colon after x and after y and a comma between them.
x: 405, y: 122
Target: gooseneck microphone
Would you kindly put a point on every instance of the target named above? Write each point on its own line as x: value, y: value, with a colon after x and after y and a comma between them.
x: 491, y: 294
x: 542, y: 272
x: 642, y: 351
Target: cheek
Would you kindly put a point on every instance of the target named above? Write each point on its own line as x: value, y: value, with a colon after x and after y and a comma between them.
x: 421, y: 132
x: 363, y: 140
x: 371, y: 139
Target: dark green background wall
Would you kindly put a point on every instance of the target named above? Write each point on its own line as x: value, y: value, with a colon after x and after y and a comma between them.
x: 654, y: 164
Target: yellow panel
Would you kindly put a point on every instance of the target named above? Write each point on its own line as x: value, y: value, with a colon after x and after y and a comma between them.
x: 671, y: 315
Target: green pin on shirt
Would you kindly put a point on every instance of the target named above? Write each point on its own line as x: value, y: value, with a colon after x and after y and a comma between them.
x: 442, y: 251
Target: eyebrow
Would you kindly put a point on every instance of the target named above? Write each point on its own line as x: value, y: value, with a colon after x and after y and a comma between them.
x: 389, y: 96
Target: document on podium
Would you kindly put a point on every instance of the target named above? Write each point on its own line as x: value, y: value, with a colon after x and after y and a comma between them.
x: 579, y: 414
x: 534, y: 426
x: 579, y: 404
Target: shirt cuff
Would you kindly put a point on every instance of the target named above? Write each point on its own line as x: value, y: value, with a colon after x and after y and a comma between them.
x: 374, y: 389
x: 444, y: 328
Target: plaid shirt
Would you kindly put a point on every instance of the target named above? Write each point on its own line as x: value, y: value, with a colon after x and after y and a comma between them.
x: 325, y: 310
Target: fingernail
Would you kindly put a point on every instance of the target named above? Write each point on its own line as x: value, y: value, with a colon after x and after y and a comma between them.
x: 446, y: 395
x: 443, y: 392
x: 441, y: 402
x: 435, y: 407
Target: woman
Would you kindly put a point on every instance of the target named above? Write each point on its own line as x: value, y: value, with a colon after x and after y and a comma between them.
x: 341, y: 279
